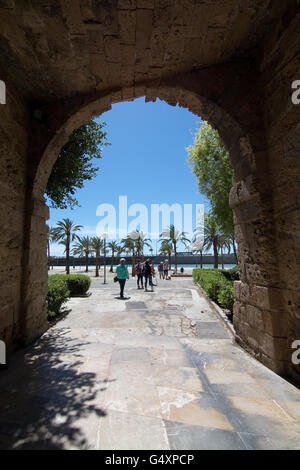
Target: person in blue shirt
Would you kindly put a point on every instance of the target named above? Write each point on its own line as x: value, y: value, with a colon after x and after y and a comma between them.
x: 122, y: 275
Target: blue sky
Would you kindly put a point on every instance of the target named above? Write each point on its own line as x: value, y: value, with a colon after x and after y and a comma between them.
x: 147, y: 162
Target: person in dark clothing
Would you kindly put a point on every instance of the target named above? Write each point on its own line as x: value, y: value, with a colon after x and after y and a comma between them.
x: 166, y: 269
x: 148, y: 275
x: 161, y: 270
x: 139, y: 272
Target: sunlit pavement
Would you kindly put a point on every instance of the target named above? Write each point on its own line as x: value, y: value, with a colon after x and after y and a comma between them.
x: 155, y: 371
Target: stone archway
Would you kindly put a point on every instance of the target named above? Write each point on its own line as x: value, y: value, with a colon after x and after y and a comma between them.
x: 242, y: 89
x: 248, y: 191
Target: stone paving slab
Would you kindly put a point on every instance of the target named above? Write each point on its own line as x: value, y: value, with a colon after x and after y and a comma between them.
x: 211, y: 330
x: 124, y: 431
x: 188, y: 437
x: 156, y: 371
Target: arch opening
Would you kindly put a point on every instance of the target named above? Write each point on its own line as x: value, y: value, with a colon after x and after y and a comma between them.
x: 256, y: 257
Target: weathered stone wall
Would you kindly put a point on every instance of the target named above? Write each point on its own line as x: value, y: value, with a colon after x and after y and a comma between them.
x: 232, y: 63
x: 13, y: 154
x: 23, y: 275
x: 267, y: 308
x: 281, y: 64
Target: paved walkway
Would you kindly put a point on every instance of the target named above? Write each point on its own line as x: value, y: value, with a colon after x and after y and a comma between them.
x: 156, y: 371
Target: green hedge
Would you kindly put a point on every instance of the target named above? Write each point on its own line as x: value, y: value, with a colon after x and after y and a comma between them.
x: 58, y: 295
x: 226, y: 296
x: 217, y: 284
x: 77, y: 284
x: 231, y: 274
x: 211, y: 280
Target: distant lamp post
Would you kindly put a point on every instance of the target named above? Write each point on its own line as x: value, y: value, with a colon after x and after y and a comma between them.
x: 104, y: 236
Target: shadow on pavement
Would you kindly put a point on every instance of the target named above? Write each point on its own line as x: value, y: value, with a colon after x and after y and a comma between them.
x: 44, y: 395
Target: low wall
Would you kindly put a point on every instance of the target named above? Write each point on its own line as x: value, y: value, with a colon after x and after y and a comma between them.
x: 207, y: 259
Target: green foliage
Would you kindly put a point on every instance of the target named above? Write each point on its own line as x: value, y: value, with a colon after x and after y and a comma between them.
x: 166, y: 248
x: 231, y: 274
x: 234, y: 273
x: 83, y: 246
x: 211, y: 165
x: 217, y: 285
x: 173, y: 236
x: 211, y: 281
x: 226, y: 297
x: 77, y: 284
x: 65, y: 231
x: 74, y: 164
x: 57, y: 296
x: 97, y: 245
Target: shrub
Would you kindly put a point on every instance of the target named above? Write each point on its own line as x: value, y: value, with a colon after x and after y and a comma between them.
x: 234, y: 273
x: 226, y: 297
x: 226, y: 273
x: 77, y: 284
x: 217, y: 284
x: 58, y: 295
x: 231, y: 274
x: 211, y: 281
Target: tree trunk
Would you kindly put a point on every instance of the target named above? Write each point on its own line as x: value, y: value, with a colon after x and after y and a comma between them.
x: 175, y: 254
x: 216, y: 256
x: 68, y: 255
x: 234, y: 250
x: 222, y: 255
x: 201, y: 259
x: 112, y: 262
x: 86, y: 263
x: 97, y: 265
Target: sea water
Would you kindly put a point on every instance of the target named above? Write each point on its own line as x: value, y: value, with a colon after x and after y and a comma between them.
x: 205, y: 266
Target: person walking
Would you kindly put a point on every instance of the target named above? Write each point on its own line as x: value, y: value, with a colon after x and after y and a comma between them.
x: 122, y: 275
x: 161, y: 270
x: 148, y: 275
x: 166, y: 269
x: 139, y: 272
x: 153, y: 273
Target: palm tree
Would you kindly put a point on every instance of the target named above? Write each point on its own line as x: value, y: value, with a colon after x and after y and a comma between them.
x: 174, y: 236
x: 83, y: 247
x: 224, y: 242
x: 166, y: 249
x: 129, y: 246
x: 199, y: 249
x: 140, y: 242
x: 96, y: 246
x: 212, y: 237
x: 113, y: 246
x: 120, y: 250
x: 198, y: 243
x: 65, y: 232
x: 232, y: 240
x: 50, y: 238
